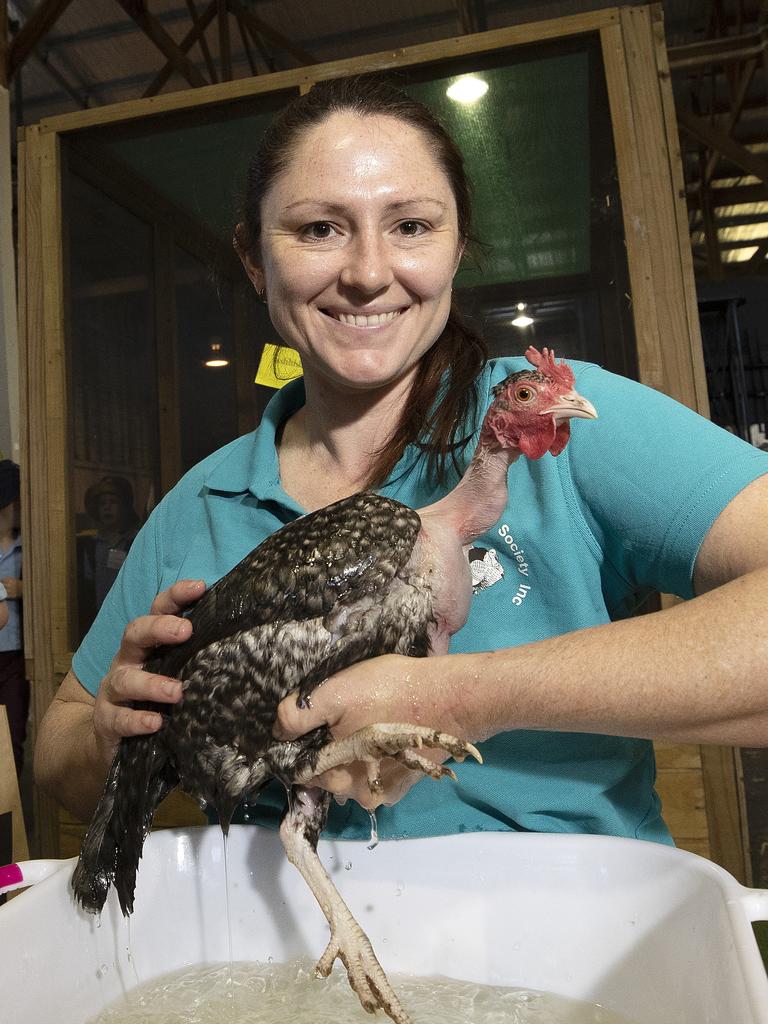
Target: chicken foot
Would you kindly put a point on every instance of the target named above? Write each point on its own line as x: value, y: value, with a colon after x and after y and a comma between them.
x: 299, y: 831
x: 394, y: 740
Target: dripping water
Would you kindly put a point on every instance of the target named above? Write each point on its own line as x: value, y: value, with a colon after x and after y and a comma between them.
x: 374, y: 831
x: 129, y: 951
x: 230, y: 979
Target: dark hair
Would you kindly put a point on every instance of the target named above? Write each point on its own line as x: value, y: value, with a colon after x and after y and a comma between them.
x: 443, y: 401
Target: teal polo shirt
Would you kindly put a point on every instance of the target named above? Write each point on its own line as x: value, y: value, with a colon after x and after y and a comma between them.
x: 584, y: 537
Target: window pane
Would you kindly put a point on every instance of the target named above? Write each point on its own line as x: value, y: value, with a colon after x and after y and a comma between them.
x: 207, y: 392
x: 114, y: 441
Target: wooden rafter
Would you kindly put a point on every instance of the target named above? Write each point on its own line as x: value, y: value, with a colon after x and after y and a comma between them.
x: 758, y: 257
x: 718, y: 51
x: 257, y: 27
x: 33, y: 31
x: 709, y: 225
x: 195, y: 34
x: 225, y: 47
x: 734, y: 195
x: 739, y: 96
x: 203, y: 44
x: 4, y: 43
x: 714, y: 138
x: 148, y: 23
x: 468, y: 16
x: 246, y: 45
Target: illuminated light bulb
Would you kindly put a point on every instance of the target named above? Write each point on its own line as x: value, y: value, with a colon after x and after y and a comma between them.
x: 522, y: 319
x: 217, y: 357
x: 467, y: 89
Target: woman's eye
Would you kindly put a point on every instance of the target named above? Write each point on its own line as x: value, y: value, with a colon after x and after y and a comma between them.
x: 524, y: 394
x: 318, y: 229
x: 411, y: 228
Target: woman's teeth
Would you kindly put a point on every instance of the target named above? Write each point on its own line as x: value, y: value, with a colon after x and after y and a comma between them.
x: 377, y: 320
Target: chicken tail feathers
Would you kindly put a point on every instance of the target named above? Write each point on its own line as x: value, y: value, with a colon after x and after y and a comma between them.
x: 141, y: 776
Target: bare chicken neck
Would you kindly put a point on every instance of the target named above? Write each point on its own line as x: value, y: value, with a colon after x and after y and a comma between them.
x: 479, y: 499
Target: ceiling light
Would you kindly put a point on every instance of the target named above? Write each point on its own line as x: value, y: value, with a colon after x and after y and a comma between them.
x: 522, y: 319
x: 216, y: 356
x: 467, y: 89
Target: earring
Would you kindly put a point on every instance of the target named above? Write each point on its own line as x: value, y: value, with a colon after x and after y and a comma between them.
x: 262, y: 294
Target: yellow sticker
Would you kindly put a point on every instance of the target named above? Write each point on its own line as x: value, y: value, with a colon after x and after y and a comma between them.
x: 277, y: 366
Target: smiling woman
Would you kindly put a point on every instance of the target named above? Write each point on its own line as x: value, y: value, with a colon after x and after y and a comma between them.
x: 356, y: 217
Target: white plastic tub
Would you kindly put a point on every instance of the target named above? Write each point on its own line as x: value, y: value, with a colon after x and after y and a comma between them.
x: 657, y: 934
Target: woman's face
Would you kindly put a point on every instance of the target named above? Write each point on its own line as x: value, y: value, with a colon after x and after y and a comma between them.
x: 359, y: 247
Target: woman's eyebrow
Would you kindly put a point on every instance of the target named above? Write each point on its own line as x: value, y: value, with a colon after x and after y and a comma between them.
x: 399, y: 204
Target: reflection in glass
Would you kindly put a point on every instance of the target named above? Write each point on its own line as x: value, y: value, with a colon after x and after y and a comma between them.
x: 207, y: 394
x: 113, y: 385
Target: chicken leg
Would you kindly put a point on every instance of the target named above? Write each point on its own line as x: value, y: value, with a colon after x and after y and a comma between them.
x: 299, y: 832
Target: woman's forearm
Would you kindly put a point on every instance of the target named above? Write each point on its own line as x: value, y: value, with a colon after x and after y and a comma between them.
x: 694, y: 673
x: 69, y: 766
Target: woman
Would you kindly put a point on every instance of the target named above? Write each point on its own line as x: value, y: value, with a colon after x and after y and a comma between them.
x: 356, y: 219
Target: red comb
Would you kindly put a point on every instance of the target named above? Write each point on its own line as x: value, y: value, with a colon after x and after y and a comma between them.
x: 545, y: 363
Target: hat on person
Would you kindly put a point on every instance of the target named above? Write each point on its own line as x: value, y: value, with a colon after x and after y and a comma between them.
x: 117, y: 485
x: 9, y: 482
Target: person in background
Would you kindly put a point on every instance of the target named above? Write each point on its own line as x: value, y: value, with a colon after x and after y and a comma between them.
x: 14, y: 686
x: 100, y: 555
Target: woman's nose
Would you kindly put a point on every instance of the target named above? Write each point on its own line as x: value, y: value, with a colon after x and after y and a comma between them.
x: 367, y: 265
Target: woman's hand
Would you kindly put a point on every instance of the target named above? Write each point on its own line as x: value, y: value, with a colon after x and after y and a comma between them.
x: 126, y: 681
x: 390, y: 688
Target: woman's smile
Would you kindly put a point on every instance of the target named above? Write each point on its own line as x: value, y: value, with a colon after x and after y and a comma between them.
x: 365, y: 320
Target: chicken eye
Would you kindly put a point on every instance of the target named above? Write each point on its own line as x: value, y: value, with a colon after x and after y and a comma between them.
x: 524, y: 394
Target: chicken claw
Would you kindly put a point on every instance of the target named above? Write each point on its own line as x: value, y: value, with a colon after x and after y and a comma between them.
x: 299, y: 832
x: 389, y: 739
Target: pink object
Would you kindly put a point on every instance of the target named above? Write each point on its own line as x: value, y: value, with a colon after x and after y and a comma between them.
x: 10, y: 874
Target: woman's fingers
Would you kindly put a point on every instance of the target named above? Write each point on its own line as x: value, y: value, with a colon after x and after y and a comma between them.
x: 127, y: 683
x: 177, y: 597
x: 144, y: 634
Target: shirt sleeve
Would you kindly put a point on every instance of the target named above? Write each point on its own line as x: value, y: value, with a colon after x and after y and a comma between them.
x: 131, y: 595
x: 649, y: 478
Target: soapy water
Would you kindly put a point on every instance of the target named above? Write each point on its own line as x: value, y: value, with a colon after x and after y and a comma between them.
x: 249, y: 993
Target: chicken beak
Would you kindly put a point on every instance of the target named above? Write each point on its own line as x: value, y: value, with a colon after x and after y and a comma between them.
x: 571, y: 405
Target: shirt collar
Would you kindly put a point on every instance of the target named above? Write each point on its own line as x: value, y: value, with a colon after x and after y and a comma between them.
x: 255, y: 468
x: 16, y: 546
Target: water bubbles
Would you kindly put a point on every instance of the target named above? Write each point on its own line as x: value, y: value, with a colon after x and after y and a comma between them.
x: 399, y: 888
x: 102, y: 971
x: 347, y: 865
x: 276, y: 993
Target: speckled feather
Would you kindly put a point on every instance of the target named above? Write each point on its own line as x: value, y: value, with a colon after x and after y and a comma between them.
x: 324, y: 592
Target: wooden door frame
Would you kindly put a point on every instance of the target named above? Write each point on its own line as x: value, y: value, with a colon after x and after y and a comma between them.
x: 663, y: 301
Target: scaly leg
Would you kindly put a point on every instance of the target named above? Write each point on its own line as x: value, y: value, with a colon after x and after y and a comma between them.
x: 390, y: 739
x: 299, y: 831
